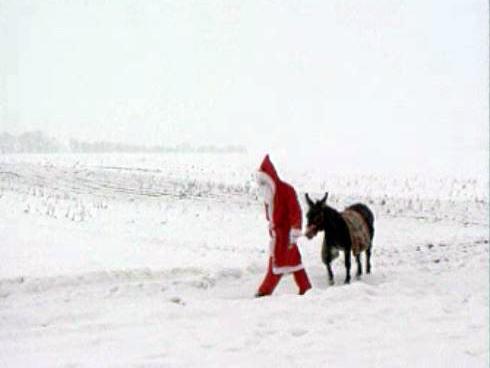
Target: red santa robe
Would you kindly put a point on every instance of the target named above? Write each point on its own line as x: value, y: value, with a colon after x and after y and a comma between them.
x: 285, y: 219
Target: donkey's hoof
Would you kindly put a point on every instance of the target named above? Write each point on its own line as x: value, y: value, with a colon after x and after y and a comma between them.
x: 358, y: 277
x: 347, y: 282
x: 331, y: 282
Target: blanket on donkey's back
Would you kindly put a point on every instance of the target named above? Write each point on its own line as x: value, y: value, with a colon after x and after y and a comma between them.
x: 358, y: 230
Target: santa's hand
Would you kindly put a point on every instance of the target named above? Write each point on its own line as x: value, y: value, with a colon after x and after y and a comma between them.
x: 294, y: 235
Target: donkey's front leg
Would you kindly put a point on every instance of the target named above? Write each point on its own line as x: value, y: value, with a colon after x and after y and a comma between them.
x: 347, y: 265
x: 327, y: 259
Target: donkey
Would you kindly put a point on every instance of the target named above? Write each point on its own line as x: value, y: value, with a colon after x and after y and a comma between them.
x: 350, y: 231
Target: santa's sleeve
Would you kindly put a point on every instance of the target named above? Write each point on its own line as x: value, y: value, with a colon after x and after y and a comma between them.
x: 295, y: 217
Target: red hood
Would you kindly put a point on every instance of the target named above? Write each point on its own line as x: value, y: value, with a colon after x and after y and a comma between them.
x: 268, y: 168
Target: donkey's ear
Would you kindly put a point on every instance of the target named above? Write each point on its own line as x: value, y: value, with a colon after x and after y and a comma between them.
x: 308, y: 200
x: 324, y: 199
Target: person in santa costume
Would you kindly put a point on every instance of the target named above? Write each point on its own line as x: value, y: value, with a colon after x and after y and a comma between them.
x: 283, y: 213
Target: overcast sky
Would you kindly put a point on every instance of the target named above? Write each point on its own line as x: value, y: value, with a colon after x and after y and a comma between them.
x: 387, y: 75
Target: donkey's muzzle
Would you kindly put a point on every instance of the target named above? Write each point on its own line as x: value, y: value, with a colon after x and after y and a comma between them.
x: 311, y: 231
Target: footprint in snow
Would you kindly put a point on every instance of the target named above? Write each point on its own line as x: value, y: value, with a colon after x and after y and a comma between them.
x: 177, y: 300
x: 298, y: 332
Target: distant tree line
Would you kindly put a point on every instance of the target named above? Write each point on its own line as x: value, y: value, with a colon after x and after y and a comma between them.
x: 29, y: 142
x: 38, y: 142
x: 101, y: 147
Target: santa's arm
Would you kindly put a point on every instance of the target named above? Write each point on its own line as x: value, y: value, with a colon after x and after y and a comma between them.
x: 295, y: 218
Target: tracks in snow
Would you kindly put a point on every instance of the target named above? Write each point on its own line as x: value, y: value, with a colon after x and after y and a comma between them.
x: 93, y: 186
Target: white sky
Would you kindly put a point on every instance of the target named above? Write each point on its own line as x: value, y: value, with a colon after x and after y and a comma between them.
x: 386, y: 75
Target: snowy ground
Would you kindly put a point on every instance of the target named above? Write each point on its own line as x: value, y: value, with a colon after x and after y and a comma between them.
x: 152, y: 261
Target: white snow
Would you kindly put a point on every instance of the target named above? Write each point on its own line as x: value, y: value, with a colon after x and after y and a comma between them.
x: 153, y: 260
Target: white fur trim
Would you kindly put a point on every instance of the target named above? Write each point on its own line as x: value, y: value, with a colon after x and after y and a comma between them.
x: 272, y: 243
x: 286, y: 269
x: 294, y: 235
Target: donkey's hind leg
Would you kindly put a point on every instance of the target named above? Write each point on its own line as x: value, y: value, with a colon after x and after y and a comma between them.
x: 330, y: 274
x: 359, y: 266
x: 327, y: 260
x: 368, y: 260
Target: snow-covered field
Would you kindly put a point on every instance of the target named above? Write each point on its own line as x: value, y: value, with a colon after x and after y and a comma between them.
x: 152, y: 261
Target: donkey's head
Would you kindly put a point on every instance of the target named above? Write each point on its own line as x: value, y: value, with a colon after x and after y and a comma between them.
x: 315, y: 216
